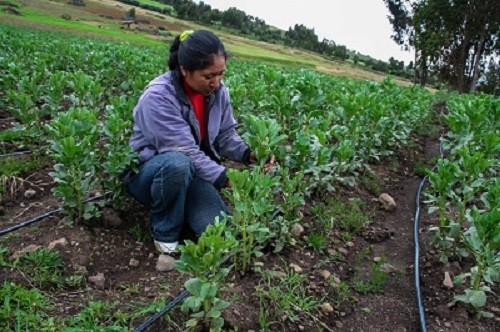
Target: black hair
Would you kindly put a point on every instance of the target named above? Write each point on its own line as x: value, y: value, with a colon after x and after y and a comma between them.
x: 196, y: 51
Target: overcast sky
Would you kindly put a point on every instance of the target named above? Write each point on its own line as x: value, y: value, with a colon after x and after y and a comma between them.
x: 361, y: 25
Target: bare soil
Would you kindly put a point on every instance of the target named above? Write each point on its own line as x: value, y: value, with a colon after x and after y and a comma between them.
x: 108, y: 245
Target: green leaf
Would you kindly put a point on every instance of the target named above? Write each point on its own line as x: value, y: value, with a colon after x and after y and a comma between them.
x: 477, y: 298
x: 193, y: 286
x: 220, y: 305
x: 192, y: 323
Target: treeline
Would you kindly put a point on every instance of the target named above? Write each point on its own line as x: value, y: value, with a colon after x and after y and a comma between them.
x: 299, y: 36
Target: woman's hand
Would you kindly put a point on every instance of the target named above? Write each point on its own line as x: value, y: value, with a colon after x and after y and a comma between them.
x: 269, y: 164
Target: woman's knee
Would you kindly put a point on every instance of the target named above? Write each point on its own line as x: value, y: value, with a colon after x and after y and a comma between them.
x: 176, y: 165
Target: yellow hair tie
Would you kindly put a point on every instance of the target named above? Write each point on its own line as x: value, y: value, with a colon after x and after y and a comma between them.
x: 185, y: 34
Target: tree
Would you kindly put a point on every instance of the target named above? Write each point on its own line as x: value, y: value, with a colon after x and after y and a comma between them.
x: 302, y: 37
x: 233, y: 18
x: 490, y: 82
x: 452, y: 38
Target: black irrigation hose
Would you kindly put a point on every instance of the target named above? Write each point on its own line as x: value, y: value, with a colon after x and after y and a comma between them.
x: 42, y: 216
x: 184, y: 294
x: 29, y: 222
x: 19, y: 153
x: 420, y: 301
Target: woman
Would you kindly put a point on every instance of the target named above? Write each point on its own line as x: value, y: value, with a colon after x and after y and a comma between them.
x: 183, y: 125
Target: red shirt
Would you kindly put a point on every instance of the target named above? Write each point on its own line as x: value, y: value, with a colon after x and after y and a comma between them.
x: 198, y: 101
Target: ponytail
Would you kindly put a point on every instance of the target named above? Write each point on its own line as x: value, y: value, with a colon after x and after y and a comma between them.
x: 195, y: 50
x: 173, y: 59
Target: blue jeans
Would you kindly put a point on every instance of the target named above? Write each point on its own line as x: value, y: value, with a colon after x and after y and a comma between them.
x: 168, y: 184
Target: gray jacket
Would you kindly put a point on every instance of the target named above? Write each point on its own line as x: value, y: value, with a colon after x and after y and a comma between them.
x: 164, y: 121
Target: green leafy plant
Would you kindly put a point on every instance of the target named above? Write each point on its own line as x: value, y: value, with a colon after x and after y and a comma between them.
x: 118, y: 155
x: 284, y: 296
x: 22, y: 308
x: 74, y: 136
x: 44, y: 267
x: 290, y: 193
x: 203, y: 260
x: 317, y: 241
x: 376, y: 281
x: 99, y: 316
x: 263, y: 136
x: 250, y: 219
x: 482, y: 240
x: 442, y: 181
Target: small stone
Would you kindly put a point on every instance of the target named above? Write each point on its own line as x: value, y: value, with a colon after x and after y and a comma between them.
x: 58, y: 244
x: 377, y: 259
x: 447, y: 324
x: 301, y: 328
x: 296, y: 268
x: 325, y: 274
x: 151, y: 255
x: 98, y: 280
x: 387, y: 202
x: 297, y: 230
x: 147, y: 289
x: 447, y: 282
x: 350, y: 244
x: 332, y: 252
x: 339, y: 324
x: 387, y: 268
x: 326, y: 308
x: 495, y: 309
x: 343, y: 251
x: 29, y: 193
x: 133, y: 262
x: 165, y: 263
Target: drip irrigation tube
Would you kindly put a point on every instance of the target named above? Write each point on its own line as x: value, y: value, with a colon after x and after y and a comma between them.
x: 420, y: 300
x: 42, y: 216
x: 184, y: 294
x: 13, y: 154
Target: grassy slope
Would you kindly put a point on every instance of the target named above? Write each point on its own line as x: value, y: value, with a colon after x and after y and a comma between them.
x: 87, y: 20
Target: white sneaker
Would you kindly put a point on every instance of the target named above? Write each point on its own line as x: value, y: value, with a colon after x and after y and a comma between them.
x: 166, y: 247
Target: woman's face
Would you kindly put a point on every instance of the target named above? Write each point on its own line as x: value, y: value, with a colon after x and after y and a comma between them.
x: 206, y: 81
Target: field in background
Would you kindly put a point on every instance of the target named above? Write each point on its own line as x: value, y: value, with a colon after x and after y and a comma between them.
x: 102, y: 19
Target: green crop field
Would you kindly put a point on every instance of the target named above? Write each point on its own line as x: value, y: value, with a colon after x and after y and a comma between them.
x: 311, y: 242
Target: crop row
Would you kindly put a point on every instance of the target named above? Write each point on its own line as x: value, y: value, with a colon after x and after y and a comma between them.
x: 77, y: 95
x: 465, y: 191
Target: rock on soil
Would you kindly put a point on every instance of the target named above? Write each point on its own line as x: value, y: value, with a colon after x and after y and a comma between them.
x: 165, y: 263
x: 58, y: 244
x: 297, y: 230
x: 99, y: 280
x: 447, y: 282
x: 387, y: 202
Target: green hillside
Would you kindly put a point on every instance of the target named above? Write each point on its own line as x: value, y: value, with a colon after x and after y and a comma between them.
x: 103, y: 19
